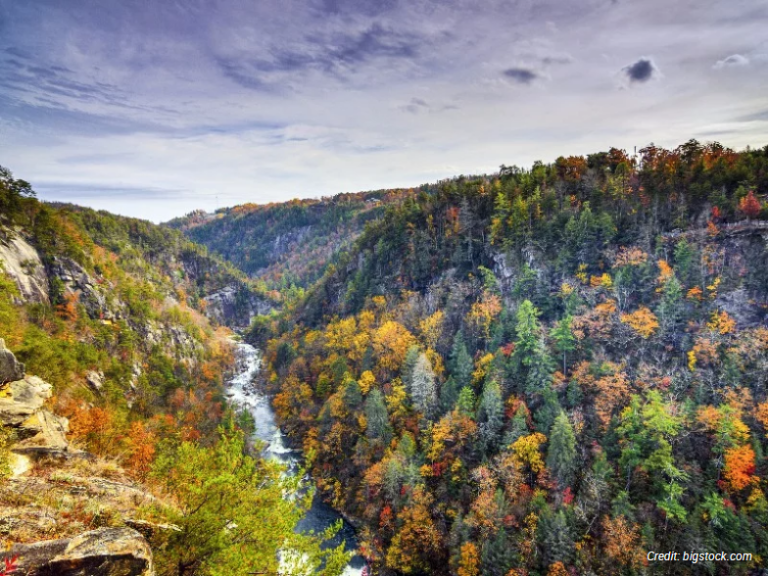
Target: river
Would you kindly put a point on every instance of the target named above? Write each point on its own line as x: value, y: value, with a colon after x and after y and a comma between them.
x: 241, y: 392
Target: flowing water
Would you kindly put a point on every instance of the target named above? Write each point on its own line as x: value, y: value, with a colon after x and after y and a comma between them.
x: 241, y: 392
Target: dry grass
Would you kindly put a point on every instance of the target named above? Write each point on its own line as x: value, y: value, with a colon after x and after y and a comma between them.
x: 60, y: 498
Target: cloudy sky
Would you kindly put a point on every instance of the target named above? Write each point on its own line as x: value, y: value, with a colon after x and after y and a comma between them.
x: 155, y: 108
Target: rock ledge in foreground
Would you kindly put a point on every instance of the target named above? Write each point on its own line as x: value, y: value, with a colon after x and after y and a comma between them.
x: 102, y: 552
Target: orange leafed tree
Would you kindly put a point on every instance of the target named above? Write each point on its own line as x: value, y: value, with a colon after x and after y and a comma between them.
x: 622, y: 544
x: 557, y: 569
x: 612, y: 391
x: 721, y: 323
x: 740, y: 467
x: 469, y: 563
x: 67, y: 310
x: 417, y: 542
x: 141, y: 445
x: 642, y: 321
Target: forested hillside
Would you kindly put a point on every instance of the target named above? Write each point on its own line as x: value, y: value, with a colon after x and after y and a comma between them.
x: 288, y: 243
x: 112, y: 407
x: 549, y: 371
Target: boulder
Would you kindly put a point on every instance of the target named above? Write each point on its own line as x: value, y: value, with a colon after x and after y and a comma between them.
x: 102, y: 552
x: 21, y: 408
x: 95, y: 380
x: 42, y: 430
x: 21, y: 399
x: 10, y: 368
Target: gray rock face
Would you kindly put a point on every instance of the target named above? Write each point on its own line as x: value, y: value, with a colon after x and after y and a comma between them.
x: 91, y: 294
x: 230, y: 307
x: 95, y: 380
x: 102, y: 552
x: 10, y: 368
x: 22, y: 262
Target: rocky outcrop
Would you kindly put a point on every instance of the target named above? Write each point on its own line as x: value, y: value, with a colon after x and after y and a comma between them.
x: 20, y: 399
x: 235, y: 307
x: 10, y: 368
x: 44, y: 431
x: 22, y: 262
x: 21, y: 408
x: 92, y: 291
x: 95, y: 380
x: 102, y: 552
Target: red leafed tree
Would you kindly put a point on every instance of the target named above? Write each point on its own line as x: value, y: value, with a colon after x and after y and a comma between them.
x: 750, y: 205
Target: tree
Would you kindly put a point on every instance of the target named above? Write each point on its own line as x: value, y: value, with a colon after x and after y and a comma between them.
x: 541, y: 366
x: 141, y: 444
x: 449, y: 393
x: 391, y: 342
x: 432, y: 329
x: 739, y: 470
x: 622, y: 544
x: 367, y: 381
x: 353, y: 396
x: 490, y: 414
x: 233, y: 514
x: 469, y: 562
x: 409, y: 363
x: 556, y: 537
x: 557, y: 569
x: 12, y: 193
x: 642, y: 321
x: 466, y: 402
x: 416, y: 545
x: 669, y: 309
x: 561, y: 456
x: 527, y: 331
x: 526, y: 450
x: 750, y: 206
x: 376, y: 416
x: 647, y: 430
x: 564, y: 339
x: 482, y: 314
x: 460, y: 362
x: 422, y: 386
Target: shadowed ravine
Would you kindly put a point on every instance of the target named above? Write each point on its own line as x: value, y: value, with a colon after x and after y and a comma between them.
x: 241, y: 392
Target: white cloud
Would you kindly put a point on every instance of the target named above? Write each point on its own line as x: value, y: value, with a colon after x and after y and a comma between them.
x: 732, y: 61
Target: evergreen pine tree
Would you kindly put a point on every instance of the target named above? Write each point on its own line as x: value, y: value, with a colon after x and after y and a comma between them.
x: 378, y: 427
x: 561, y: 456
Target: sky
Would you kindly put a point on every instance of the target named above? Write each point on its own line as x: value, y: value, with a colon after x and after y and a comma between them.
x: 154, y: 108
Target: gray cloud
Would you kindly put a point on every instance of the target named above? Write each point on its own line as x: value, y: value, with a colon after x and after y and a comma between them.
x: 734, y: 60
x: 419, y: 106
x: 759, y: 116
x: 416, y: 105
x: 336, y: 54
x: 521, y: 75
x: 641, y: 71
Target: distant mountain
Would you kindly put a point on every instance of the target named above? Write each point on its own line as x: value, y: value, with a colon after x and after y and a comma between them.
x: 291, y: 242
